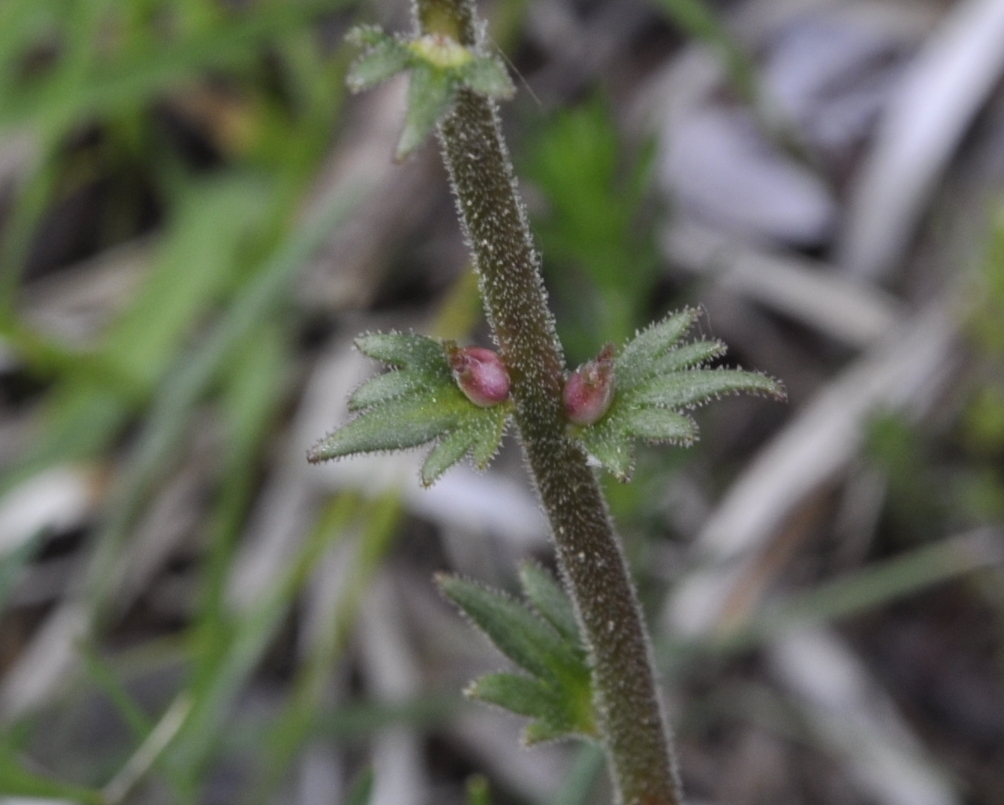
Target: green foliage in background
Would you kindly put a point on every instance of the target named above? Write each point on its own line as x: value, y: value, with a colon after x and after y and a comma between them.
x: 595, y: 229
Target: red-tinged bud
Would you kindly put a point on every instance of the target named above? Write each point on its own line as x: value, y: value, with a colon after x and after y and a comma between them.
x: 590, y: 389
x: 480, y: 374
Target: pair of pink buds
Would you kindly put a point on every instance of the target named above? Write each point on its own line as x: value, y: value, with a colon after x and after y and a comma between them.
x: 483, y: 379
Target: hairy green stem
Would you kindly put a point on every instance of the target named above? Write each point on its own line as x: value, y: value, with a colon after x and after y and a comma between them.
x: 635, y: 733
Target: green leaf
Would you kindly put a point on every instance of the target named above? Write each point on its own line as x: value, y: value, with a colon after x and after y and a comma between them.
x: 540, y: 730
x: 402, y: 423
x: 366, y: 36
x: 655, y: 378
x: 16, y: 781
x: 549, y: 599
x: 558, y: 693
x: 611, y: 447
x: 388, y: 386
x: 416, y: 402
x: 480, y: 434
x: 689, y: 388
x: 448, y: 452
x: 553, y: 714
x: 658, y: 425
x: 557, y: 710
x: 523, y: 695
x: 430, y: 97
x: 689, y: 355
x: 637, y: 360
x: 523, y: 637
x: 403, y: 350
x: 383, y: 58
x: 489, y: 433
x: 487, y: 76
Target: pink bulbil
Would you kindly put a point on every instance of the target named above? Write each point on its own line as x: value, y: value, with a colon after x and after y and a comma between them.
x: 480, y: 373
x: 590, y: 389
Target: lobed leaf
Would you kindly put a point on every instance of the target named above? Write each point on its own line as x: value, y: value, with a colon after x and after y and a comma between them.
x: 609, y: 445
x: 638, y: 358
x: 395, y: 425
x: 390, y: 385
x: 541, y: 731
x: 453, y: 447
x: 689, y: 388
x: 554, y: 714
x: 549, y: 600
x: 366, y: 35
x: 404, y: 350
x: 383, y: 59
x: 489, y: 433
x: 487, y: 76
x: 523, y: 695
x: 688, y: 356
x: 418, y: 401
x: 430, y: 97
x: 523, y: 637
x: 479, y: 432
x: 655, y: 377
x: 659, y: 425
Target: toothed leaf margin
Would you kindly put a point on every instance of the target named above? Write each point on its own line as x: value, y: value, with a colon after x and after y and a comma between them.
x: 540, y: 637
x: 657, y: 379
x: 416, y: 402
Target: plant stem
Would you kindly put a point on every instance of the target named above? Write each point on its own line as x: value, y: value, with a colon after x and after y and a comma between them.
x: 589, y: 554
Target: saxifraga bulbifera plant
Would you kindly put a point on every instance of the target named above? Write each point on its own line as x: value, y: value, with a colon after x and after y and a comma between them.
x: 585, y: 660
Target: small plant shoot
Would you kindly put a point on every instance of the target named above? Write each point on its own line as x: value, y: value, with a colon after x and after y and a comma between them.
x: 541, y: 638
x: 421, y: 399
x: 582, y: 654
x: 440, y: 67
x: 645, y: 392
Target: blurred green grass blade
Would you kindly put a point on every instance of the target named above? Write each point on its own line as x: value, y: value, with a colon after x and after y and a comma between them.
x: 80, y: 419
x: 882, y: 582
x: 141, y: 727
x: 380, y: 519
x: 358, y: 720
x: 24, y: 22
x: 13, y: 562
x: 82, y: 42
x: 362, y: 789
x: 251, y: 635
x: 863, y: 590
x: 184, y: 386
x: 198, y: 259
x: 478, y: 792
x: 197, y: 262
x: 697, y: 19
x: 149, y: 752
x: 47, y: 358
x: 17, y: 781
x: 251, y: 394
x: 353, y: 722
x: 29, y: 203
x: 252, y: 388
x: 105, y: 678
x: 147, y: 70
